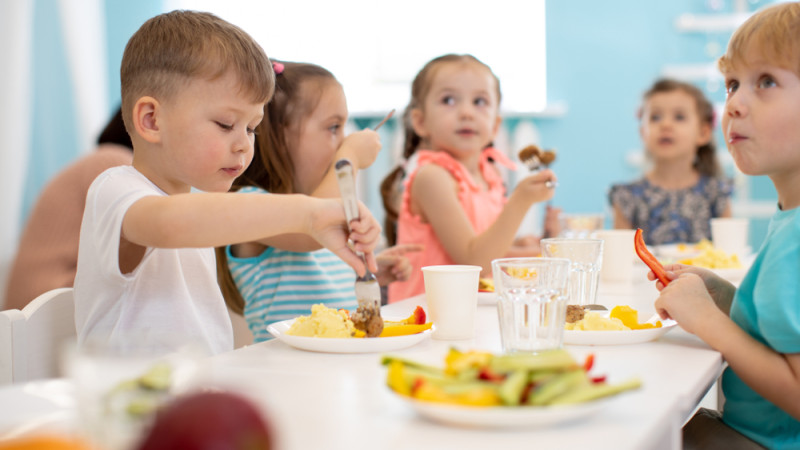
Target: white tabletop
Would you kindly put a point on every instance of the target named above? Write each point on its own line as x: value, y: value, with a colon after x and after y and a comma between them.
x: 340, y: 401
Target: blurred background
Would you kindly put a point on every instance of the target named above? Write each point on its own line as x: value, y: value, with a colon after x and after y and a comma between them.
x: 572, y: 74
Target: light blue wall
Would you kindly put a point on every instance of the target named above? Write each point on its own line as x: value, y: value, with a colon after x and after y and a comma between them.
x: 601, y: 57
x: 54, y: 139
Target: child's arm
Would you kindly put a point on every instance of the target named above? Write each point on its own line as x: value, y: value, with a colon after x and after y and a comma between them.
x: 434, y: 195
x: 361, y: 148
x: 773, y: 375
x: 620, y: 222
x: 217, y: 219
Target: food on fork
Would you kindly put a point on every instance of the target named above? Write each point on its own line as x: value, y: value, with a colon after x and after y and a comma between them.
x: 482, y: 379
x: 534, y: 158
x: 367, y: 318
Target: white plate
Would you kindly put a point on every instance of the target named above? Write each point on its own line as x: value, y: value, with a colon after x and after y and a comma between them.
x: 504, y: 417
x: 344, y: 345
x: 578, y: 337
x: 487, y: 298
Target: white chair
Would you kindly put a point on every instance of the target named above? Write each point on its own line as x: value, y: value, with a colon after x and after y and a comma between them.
x: 31, y: 340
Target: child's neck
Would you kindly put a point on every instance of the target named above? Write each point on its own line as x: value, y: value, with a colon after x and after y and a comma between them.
x: 672, y: 175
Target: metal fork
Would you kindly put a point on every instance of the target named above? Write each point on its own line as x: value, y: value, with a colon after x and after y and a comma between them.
x: 368, y: 292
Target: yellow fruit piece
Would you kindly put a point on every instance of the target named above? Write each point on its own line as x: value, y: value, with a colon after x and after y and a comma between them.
x: 399, y: 329
x: 630, y: 318
x: 429, y: 392
x: 50, y: 442
x: 478, y: 397
x: 457, y: 361
x: 396, y: 379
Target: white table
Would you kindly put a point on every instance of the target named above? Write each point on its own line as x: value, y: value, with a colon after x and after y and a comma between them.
x: 340, y: 401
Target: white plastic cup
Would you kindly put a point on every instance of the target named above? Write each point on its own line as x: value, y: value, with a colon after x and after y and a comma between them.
x: 618, y: 255
x: 452, y: 295
x: 586, y: 258
x: 729, y: 234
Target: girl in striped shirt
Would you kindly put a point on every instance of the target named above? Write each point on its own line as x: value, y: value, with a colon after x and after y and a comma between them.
x: 297, y: 143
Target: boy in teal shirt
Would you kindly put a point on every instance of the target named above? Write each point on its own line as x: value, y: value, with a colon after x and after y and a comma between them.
x: 757, y: 326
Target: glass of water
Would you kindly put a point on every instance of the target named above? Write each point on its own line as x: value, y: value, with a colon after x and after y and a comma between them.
x: 532, y: 301
x: 586, y: 258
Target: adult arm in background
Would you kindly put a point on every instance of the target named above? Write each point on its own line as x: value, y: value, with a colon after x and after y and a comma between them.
x: 47, y: 256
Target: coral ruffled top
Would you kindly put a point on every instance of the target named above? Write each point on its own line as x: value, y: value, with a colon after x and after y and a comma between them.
x: 481, y: 207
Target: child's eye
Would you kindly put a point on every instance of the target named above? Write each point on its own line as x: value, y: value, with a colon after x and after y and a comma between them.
x: 251, y: 131
x: 731, y: 86
x: 334, y: 128
x: 449, y: 100
x: 481, y: 101
x: 766, y: 81
x: 680, y: 117
x: 655, y: 117
x: 224, y: 126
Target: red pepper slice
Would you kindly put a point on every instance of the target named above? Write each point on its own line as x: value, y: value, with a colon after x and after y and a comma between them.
x: 587, y: 365
x: 648, y: 258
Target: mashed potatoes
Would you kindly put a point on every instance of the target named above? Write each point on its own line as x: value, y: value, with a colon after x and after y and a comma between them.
x: 593, y: 321
x: 323, y: 322
x: 712, y: 258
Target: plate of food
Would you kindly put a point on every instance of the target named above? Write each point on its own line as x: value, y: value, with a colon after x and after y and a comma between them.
x: 331, y: 331
x: 620, y: 326
x: 481, y: 389
x: 504, y: 417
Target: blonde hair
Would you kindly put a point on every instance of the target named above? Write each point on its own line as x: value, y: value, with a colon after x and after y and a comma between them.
x: 774, y: 32
x: 173, y: 48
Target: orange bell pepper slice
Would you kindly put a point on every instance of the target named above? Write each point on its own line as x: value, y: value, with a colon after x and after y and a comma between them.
x: 644, y: 254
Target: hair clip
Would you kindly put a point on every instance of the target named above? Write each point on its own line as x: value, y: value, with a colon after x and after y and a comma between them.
x: 277, y: 67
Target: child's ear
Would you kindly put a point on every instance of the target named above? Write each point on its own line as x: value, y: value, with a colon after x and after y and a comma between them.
x: 418, y: 123
x: 496, y: 129
x: 146, y: 119
x: 705, y: 134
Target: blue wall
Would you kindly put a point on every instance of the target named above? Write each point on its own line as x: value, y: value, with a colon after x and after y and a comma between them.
x: 601, y: 57
x: 54, y: 139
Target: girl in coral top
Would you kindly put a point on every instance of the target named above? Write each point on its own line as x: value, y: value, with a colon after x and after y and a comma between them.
x: 453, y: 200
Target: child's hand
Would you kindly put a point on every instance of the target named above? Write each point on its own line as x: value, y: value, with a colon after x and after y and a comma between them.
x: 533, y: 188
x: 361, y: 148
x: 393, y: 265
x: 552, y: 221
x: 720, y: 290
x: 688, y: 302
x: 329, y: 228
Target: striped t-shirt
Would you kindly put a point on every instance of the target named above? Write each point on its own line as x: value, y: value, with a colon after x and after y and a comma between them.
x: 279, y: 285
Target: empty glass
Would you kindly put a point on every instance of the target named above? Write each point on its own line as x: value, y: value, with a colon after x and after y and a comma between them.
x: 532, y: 302
x: 586, y: 258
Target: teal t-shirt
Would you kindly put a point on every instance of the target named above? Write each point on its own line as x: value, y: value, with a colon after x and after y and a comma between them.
x: 767, y: 307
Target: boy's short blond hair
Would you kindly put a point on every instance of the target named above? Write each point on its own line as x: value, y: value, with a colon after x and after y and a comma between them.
x: 173, y: 48
x: 774, y: 32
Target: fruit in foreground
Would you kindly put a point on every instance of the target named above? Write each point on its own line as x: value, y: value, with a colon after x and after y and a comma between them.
x: 208, y: 420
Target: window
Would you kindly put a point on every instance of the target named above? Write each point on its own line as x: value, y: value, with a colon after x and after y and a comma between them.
x: 376, y: 48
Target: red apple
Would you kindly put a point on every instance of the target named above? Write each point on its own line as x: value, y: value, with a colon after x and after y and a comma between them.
x: 208, y: 420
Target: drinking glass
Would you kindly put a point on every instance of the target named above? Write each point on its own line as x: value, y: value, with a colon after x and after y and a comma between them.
x: 586, y: 258
x: 532, y: 302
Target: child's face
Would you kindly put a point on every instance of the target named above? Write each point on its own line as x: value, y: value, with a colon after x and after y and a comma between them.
x: 313, y: 140
x: 206, y: 135
x: 460, y: 113
x: 671, y: 127
x: 760, y: 120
